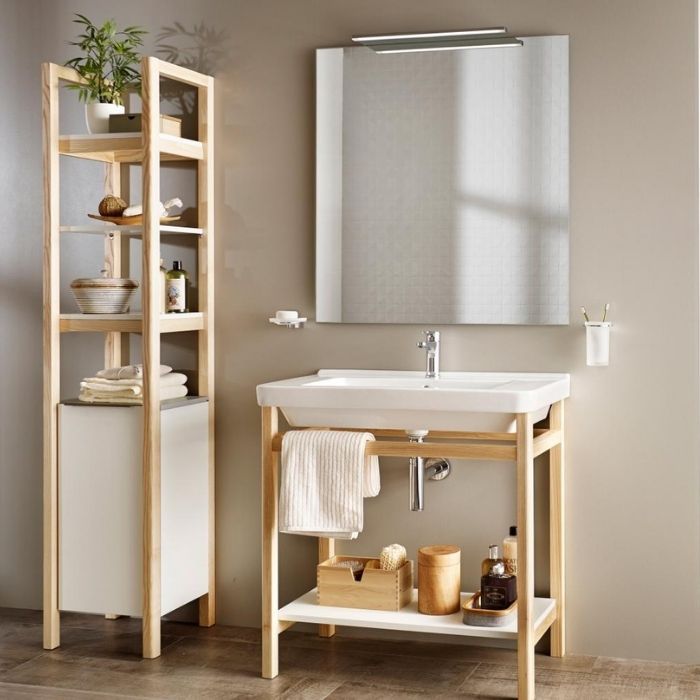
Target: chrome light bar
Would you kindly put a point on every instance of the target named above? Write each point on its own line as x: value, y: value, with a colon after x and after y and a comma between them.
x: 492, y: 37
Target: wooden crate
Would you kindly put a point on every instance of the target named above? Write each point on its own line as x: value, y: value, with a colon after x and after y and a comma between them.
x: 376, y: 590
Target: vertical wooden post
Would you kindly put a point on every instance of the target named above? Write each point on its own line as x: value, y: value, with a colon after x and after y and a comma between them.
x: 526, y: 556
x: 270, y: 569
x: 326, y: 550
x: 113, y: 263
x: 205, y: 214
x: 52, y: 345
x: 557, y: 560
x: 150, y: 299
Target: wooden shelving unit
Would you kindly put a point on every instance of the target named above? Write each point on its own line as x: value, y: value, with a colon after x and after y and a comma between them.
x: 117, y: 151
x: 535, y: 615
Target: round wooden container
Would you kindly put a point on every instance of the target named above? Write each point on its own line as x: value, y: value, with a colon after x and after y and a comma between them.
x: 439, y: 579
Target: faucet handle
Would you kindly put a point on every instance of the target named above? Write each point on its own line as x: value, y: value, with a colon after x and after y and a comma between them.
x: 432, y: 336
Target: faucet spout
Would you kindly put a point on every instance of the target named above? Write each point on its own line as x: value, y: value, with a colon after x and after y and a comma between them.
x: 431, y: 345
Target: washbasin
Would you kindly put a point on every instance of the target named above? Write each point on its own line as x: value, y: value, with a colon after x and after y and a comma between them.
x: 463, y: 401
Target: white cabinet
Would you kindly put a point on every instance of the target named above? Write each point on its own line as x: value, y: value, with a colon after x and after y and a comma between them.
x: 100, y: 506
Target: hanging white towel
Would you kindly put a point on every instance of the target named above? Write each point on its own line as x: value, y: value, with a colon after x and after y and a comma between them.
x: 324, y: 477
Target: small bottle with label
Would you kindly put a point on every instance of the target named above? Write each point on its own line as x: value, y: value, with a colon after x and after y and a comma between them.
x: 176, y: 289
x: 510, y: 551
x: 498, y: 589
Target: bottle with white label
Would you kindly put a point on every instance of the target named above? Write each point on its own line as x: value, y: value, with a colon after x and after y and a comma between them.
x: 176, y: 289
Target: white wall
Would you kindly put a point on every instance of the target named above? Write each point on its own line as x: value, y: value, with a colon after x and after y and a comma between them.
x: 632, y: 490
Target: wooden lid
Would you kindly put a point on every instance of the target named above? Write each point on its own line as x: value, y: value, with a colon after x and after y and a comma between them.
x: 439, y: 555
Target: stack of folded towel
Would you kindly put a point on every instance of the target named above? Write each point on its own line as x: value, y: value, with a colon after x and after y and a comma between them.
x: 125, y: 385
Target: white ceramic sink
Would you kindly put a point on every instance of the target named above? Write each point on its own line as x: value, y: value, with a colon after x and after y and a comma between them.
x: 467, y: 401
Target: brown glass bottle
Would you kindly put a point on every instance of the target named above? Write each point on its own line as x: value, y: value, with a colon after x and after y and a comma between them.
x: 498, y: 588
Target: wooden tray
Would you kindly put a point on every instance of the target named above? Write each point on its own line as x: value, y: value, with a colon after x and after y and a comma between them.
x: 474, y: 615
x: 130, y: 220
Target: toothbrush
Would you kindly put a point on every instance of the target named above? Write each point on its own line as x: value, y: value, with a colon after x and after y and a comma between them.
x: 585, y: 315
x: 606, y: 308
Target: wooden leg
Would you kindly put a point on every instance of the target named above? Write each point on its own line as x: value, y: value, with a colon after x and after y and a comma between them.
x: 52, y: 349
x: 205, y: 352
x: 526, y: 557
x: 556, y: 533
x: 151, y: 301
x: 270, y: 571
x: 326, y: 550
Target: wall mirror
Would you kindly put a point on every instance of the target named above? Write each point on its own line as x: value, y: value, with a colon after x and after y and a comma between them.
x: 442, y: 185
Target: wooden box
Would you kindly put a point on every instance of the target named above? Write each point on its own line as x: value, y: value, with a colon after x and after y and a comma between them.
x: 376, y: 590
x: 131, y: 123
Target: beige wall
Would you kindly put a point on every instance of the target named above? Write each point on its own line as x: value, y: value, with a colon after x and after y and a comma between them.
x: 632, y: 491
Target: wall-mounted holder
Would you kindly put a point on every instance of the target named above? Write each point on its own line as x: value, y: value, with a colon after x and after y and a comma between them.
x: 598, y: 343
x: 289, y: 319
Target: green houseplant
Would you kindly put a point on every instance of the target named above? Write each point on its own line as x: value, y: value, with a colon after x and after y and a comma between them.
x: 109, y: 64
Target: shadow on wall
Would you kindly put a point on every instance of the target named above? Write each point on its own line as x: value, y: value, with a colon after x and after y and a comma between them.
x: 202, y: 49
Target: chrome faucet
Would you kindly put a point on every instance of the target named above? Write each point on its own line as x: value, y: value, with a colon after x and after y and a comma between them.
x: 431, y: 344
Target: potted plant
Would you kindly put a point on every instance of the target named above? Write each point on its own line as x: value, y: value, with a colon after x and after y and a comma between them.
x: 109, y: 64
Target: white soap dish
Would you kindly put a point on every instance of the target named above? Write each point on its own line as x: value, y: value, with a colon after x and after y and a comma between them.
x: 297, y: 322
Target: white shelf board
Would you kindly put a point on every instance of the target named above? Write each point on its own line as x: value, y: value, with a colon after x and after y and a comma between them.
x: 107, y: 228
x: 408, y: 619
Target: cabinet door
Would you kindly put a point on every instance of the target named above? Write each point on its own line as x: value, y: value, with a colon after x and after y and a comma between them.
x: 100, y: 509
x: 184, y: 504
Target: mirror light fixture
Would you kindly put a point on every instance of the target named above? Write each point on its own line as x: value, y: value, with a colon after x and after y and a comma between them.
x: 492, y: 37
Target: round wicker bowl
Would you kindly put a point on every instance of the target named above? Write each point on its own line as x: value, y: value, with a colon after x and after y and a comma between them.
x: 103, y: 295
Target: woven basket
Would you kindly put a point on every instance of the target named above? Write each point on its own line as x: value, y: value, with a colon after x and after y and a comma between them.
x: 103, y: 295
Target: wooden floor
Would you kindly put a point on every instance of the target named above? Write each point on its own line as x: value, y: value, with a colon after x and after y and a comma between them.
x: 101, y: 659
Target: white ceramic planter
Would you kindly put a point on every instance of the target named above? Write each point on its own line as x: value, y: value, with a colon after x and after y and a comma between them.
x: 97, y: 116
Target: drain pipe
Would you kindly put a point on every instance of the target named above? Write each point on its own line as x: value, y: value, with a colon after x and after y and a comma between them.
x: 436, y: 470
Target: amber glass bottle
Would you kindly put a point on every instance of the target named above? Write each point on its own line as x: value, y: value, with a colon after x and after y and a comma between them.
x: 498, y: 588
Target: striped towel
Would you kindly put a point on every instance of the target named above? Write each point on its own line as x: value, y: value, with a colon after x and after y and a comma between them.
x: 324, y: 477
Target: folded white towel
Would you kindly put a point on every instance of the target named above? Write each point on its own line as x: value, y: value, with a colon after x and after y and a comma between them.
x: 129, y: 372
x: 91, y: 396
x: 324, y: 477
x: 171, y: 379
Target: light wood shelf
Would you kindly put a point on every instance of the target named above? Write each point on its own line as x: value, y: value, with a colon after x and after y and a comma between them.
x: 129, y: 323
x: 149, y: 148
x: 137, y: 231
x: 128, y: 148
x: 408, y: 619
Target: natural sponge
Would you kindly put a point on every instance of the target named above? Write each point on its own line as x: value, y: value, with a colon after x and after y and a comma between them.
x: 111, y: 206
x: 393, y: 557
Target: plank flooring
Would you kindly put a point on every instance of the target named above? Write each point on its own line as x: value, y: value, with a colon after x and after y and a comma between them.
x: 100, y: 660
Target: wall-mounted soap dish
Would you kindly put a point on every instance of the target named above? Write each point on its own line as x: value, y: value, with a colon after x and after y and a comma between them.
x: 289, y: 319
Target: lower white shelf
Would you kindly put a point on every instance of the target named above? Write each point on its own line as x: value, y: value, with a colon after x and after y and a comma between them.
x: 408, y: 619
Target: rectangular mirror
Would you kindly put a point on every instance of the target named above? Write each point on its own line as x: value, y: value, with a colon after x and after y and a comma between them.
x: 442, y: 185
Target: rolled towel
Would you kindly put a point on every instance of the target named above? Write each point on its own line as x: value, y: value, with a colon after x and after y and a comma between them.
x: 166, y: 393
x: 171, y: 379
x: 129, y: 372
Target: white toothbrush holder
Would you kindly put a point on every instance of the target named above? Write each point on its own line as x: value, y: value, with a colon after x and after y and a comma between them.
x: 598, y: 343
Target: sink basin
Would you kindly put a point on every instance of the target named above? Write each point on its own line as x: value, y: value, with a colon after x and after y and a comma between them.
x: 464, y: 401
